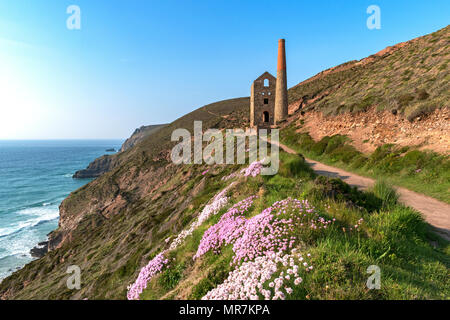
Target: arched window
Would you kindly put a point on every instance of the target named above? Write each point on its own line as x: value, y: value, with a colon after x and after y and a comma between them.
x: 266, y: 116
x: 266, y: 82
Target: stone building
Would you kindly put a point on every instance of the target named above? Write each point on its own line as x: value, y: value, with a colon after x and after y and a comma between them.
x: 262, y: 101
x: 268, y: 98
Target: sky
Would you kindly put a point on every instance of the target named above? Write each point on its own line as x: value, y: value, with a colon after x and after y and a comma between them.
x: 141, y: 62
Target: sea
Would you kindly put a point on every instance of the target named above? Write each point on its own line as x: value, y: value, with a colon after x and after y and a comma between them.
x: 35, y: 177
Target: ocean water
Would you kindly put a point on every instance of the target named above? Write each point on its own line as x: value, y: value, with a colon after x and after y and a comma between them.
x: 35, y: 176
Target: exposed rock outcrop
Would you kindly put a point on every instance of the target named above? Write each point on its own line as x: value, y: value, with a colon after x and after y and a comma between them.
x: 40, y: 250
x: 138, y: 135
x: 105, y: 163
x: 96, y: 168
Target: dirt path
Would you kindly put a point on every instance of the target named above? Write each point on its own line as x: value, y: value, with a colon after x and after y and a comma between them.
x: 435, y: 212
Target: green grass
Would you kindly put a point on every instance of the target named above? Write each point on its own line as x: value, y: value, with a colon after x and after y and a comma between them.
x: 386, y: 193
x: 410, y: 81
x: 393, y: 237
x: 421, y: 171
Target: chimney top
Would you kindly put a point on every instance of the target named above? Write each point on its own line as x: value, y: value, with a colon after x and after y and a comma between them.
x: 281, y: 55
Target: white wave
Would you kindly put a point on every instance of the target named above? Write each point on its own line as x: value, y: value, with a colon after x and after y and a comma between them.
x: 37, y: 215
x: 6, y: 231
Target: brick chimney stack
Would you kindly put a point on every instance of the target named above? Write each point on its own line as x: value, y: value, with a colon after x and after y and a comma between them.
x: 281, y: 99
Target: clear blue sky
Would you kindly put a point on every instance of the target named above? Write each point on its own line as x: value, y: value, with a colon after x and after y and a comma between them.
x: 137, y: 62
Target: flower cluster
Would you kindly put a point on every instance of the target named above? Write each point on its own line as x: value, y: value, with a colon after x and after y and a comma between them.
x: 355, y: 227
x: 152, y: 268
x: 213, y: 207
x: 262, y: 235
x: 251, y: 279
x: 253, y: 169
x: 268, y: 232
x: 157, y: 263
x: 226, y: 230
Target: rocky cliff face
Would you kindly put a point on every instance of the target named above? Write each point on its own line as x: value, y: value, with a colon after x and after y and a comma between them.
x: 97, y: 167
x: 139, y: 134
x: 107, y: 162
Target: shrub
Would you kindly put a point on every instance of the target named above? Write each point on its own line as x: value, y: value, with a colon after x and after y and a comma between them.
x: 296, y: 168
x: 368, y: 101
x: 414, y: 158
x: 420, y: 111
x: 170, y: 278
x: 345, y: 153
x: 306, y: 141
x: 359, y: 161
x: 380, y: 153
x: 386, y: 193
x: 335, y: 142
x: 422, y: 94
x: 320, y: 146
x: 404, y: 100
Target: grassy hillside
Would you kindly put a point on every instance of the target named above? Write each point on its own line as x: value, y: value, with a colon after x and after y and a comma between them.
x: 194, y: 231
x: 361, y: 229
x: 410, y: 78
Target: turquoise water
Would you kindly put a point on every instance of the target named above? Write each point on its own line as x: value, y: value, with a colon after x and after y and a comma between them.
x: 35, y: 176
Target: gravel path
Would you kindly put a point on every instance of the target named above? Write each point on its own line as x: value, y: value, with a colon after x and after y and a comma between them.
x: 435, y: 212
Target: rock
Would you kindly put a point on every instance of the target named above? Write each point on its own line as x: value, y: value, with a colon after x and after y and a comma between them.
x: 111, y: 150
x: 40, y: 250
x: 96, y: 168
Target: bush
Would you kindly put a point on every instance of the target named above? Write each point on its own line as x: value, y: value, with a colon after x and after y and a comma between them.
x: 420, y: 111
x: 320, y: 146
x: 359, y: 161
x: 364, y: 105
x: 414, y: 159
x: 296, y: 168
x: 386, y: 193
x: 404, y: 100
x: 422, y: 94
x: 345, y: 153
x: 335, y: 142
x: 380, y: 153
x: 306, y: 141
x: 170, y: 278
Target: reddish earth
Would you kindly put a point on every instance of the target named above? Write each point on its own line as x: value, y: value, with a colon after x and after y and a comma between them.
x: 371, y: 129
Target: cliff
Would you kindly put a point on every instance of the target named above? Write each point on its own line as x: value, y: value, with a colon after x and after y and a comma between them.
x: 197, y: 223
x: 105, y: 163
x: 97, y: 167
x: 139, y: 134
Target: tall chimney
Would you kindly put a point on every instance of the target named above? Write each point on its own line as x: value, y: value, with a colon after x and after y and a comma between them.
x: 281, y: 99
